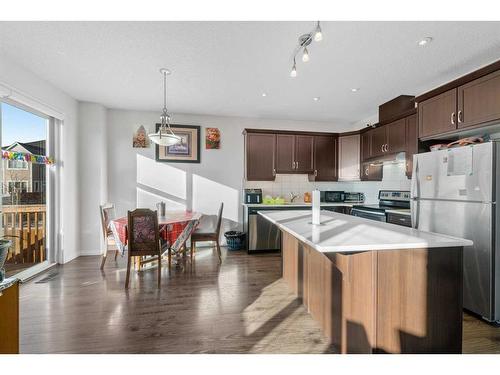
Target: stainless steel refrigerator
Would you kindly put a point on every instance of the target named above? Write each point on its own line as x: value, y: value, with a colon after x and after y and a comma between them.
x: 454, y: 192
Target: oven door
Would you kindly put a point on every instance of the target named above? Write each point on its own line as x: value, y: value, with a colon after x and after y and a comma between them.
x: 368, y: 214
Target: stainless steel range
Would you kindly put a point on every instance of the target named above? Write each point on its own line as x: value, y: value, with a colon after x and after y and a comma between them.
x: 389, y: 200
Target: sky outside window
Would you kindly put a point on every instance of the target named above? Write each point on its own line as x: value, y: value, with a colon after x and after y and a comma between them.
x: 22, y: 126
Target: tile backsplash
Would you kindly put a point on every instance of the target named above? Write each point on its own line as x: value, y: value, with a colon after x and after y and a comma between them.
x: 394, y: 179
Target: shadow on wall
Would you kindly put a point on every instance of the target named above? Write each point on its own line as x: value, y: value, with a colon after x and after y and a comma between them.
x: 181, y: 190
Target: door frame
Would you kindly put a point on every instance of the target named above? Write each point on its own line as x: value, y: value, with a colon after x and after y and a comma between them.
x: 52, y: 199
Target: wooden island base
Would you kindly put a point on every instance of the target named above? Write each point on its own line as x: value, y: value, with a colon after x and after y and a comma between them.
x: 392, y: 301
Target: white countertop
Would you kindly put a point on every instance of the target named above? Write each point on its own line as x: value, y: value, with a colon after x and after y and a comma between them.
x: 302, y: 204
x: 345, y: 233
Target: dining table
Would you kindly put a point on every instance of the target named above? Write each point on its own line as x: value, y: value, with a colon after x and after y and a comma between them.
x: 175, y: 229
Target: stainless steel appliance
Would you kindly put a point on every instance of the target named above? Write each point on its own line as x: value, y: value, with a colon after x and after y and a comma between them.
x: 454, y: 192
x: 330, y: 196
x: 262, y: 234
x: 354, y: 197
x: 253, y: 196
x: 388, y: 200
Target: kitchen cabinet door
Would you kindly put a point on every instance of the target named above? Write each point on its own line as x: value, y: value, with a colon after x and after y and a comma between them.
x: 378, y: 141
x: 325, y: 158
x: 370, y: 172
x: 396, y: 136
x: 304, y: 162
x: 411, y: 143
x: 366, y: 140
x: 285, y: 150
x: 479, y: 101
x: 349, y: 155
x: 438, y: 114
x: 260, y: 150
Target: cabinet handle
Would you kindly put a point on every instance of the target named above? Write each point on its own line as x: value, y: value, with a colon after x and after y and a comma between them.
x: 274, y: 172
x: 452, y: 119
x: 459, y: 117
x: 386, y: 147
x: 366, y: 171
x: 315, y: 173
x: 296, y: 165
x: 382, y: 148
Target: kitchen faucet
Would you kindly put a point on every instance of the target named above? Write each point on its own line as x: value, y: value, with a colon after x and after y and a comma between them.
x: 293, y: 196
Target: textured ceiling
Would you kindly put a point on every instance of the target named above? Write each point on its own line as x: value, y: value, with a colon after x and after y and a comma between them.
x: 222, y: 68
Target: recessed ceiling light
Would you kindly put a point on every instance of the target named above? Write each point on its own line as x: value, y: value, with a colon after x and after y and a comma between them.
x: 316, y: 98
x: 264, y: 94
x: 355, y: 89
x: 424, y: 41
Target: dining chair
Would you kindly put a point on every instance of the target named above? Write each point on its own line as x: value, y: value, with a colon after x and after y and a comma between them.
x: 143, y: 238
x: 107, y: 214
x: 204, y: 233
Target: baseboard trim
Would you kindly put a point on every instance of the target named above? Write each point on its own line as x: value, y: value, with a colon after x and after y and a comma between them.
x: 85, y: 253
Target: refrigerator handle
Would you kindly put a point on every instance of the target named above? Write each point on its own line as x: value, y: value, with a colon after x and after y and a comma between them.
x: 415, y: 194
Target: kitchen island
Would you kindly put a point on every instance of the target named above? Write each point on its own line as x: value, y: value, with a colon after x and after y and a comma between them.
x: 375, y: 287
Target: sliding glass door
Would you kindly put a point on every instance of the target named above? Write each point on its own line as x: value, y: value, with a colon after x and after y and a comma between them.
x: 24, y: 140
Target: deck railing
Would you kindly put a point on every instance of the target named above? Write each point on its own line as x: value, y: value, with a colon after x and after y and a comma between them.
x: 26, y: 223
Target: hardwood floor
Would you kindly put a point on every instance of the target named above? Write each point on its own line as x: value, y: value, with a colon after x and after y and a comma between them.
x: 242, y: 306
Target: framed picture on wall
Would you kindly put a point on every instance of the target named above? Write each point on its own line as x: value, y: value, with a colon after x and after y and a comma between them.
x: 187, y: 151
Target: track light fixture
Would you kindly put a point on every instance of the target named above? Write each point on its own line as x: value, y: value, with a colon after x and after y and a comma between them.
x: 304, y: 41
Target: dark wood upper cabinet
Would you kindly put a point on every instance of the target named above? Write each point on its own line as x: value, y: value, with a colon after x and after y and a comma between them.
x: 479, y: 101
x: 396, y: 136
x: 304, y: 162
x: 378, y: 141
x: 411, y: 143
x: 365, y: 147
x: 285, y: 153
x: 438, y: 114
x: 371, y: 172
x: 260, y: 151
x: 325, y: 158
x: 294, y: 153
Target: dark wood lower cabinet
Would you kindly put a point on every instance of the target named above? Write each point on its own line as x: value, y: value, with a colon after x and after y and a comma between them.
x: 397, y: 301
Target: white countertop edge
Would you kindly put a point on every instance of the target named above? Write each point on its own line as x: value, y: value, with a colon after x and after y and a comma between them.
x: 454, y: 242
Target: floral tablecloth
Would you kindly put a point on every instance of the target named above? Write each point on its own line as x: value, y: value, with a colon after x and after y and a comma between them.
x: 175, y: 228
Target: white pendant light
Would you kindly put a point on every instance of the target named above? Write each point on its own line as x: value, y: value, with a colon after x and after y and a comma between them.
x: 318, y: 35
x: 293, y: 73
x: 164, y: 136
x: 305, y: 55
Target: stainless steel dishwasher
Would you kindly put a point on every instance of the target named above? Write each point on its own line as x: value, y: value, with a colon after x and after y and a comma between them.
x: 262, y: 234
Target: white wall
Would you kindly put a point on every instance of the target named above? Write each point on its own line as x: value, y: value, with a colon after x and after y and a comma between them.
x: 92, y: 164
x: 136, y: 179
x: 24, y: 81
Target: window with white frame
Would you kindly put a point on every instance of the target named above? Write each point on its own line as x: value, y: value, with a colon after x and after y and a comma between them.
x: 18, y: 186
x: 17, y: 164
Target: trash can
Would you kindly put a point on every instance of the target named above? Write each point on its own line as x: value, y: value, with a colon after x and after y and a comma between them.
x: 235, y: 240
